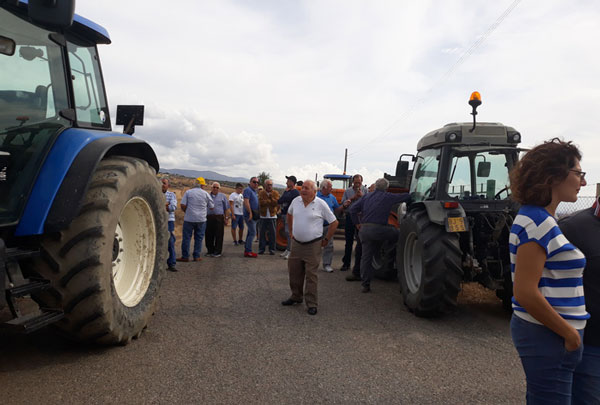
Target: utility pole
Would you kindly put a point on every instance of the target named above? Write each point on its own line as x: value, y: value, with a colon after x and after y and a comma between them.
x: 345, y: 159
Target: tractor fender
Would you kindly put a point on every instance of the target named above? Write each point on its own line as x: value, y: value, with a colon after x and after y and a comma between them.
x: 437, y: 213
x: 63, y: 179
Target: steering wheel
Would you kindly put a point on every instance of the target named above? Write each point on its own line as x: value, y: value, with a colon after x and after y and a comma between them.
x: 497, y: 196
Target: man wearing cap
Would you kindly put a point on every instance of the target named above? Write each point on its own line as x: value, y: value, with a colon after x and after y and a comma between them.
x: 195, y: 204
x: 582, y: 229
x: 251, y: 214
x: 216, y: 221
x: 284, y: 201
x: 305, y: 222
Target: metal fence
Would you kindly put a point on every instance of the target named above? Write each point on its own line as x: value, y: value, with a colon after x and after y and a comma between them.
x: 582, y: 202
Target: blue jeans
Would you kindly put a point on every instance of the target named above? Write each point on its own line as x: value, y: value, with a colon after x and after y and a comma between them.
x: 198, y: 229
x: 547, y: 364
x: 586, y: 380
x: 267, y: 230
x: 171, y: 260
x: 251, y: 225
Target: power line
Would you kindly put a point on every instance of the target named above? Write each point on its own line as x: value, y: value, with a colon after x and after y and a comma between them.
x: 442, y: 78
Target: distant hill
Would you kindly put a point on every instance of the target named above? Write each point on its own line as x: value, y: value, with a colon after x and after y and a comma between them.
x: 210, y: 175
x: 207, y: 174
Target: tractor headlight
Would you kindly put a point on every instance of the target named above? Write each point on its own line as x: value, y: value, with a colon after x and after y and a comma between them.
x: 453, y: 137
x: 514, y: 137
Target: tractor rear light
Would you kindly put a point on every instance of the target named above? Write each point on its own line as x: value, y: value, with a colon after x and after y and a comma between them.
x: 452, y: 204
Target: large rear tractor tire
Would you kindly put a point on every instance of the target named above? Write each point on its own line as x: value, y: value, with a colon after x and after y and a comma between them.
x: 106, y: 267
x: 429, y: 266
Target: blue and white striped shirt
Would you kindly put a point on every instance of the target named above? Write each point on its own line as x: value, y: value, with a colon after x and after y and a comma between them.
x: 172, y: 201
x: 561, y: 282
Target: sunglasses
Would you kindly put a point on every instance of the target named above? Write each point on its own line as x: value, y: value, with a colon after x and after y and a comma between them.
x: 255, y: 182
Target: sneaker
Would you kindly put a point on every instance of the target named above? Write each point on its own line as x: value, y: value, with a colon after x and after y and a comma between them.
x: 328, y: 269
x: 250, y: 254
x: 285, y: 252
x: 208, y: 254
x: 271, y: 252
x: 287, y: 255
x: 235, y: 243
x: 240, y: 242
x: 261, y: 252
x: 216, y: 255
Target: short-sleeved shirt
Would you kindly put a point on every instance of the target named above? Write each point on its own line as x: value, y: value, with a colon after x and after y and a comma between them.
x: 251, y: 195
x: 583, y: 230
x: 561, y: 282
x: 331, y: 202
x: 238, y: 203
x: 172, y: 201
x: 197, y: 202
x: 308, y: 220
x: 220, y: 202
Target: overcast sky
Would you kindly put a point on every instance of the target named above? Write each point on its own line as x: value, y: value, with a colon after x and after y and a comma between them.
x: 282, y: 86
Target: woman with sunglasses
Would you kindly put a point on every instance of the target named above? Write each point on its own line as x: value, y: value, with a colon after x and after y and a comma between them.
x: 549, y: 307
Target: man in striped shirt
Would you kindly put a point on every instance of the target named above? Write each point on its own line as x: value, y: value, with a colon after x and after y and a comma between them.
x: 171, y: 205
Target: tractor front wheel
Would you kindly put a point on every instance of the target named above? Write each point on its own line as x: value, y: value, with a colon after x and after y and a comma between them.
x: 106, y: 267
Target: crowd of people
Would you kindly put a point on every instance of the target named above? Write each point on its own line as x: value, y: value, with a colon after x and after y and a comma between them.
x: 555, y: 265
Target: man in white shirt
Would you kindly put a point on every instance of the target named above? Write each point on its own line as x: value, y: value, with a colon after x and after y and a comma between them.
x: 236, y: 202
x: 305, y: 222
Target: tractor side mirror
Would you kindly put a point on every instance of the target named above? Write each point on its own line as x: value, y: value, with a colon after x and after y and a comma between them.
x: 401, y: 168
x: 52, y: 13
x: 483, y: 169
x: 129, y: 116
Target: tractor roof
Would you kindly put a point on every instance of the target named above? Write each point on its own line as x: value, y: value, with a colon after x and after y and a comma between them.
x: 84, y: 27
x: 485, y: 133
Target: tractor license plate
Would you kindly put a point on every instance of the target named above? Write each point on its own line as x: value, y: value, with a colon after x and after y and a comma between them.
x: 456, y: 224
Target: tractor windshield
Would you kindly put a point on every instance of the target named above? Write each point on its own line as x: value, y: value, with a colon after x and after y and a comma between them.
x: 32, y: 93
x: 480, y: 174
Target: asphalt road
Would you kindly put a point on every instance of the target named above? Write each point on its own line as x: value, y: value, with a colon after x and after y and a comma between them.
x: 222, y: 337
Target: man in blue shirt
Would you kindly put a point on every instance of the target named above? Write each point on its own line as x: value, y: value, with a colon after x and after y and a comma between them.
x: 251, y: 214
x: 370, y: 214
x: 171, y: 205
x: 216, y: 221
x: 195, y: 204
x: 325, y: 195
x: 285, y: 200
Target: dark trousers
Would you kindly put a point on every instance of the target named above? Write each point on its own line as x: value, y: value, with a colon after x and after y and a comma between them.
x: 350, y: 234
x: 215, y: 228
x: 266, y: 229
x: 372, y: 236
x: 171, y: 260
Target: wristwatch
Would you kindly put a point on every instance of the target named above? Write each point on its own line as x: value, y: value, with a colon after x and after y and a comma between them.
x: 326, y: 239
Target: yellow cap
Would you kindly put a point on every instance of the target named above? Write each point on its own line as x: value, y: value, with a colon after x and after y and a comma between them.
x: 201, y: 181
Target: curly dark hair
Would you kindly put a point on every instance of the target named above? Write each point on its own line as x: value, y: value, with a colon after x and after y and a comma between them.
x: 543, y: 167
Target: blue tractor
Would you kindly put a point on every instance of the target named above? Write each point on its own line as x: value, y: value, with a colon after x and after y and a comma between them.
x: 82, y: 215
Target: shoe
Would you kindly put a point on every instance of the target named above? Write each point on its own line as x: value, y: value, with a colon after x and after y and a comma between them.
x: 240, y: 242
x: 366, y: 289
x: 344, y: 268
x: 183, y: 259
x: 287, y: 254
x: 352, y: 277
x: 261, y: 252
x: 235, y: 243
x: 197, y: 259
x: 328, y: 269
x: 216, y: 255
x: 250, y: 254
x: 284, y: 253
x: 271, y: 252
x: 290, y: 301
x: 208, y: 255
x: 312, y: 310
x: 172, y: 268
